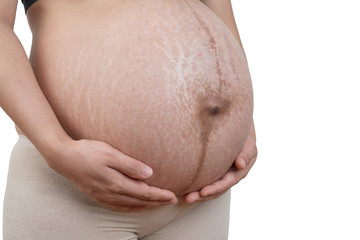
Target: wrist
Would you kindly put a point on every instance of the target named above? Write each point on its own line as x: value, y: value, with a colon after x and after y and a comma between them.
x: 53, y: 146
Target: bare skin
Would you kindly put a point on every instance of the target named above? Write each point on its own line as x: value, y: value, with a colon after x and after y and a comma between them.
x: 104, y: 172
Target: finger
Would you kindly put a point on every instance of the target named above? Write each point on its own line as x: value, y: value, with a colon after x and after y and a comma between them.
x: 227, y: 181
x: 231, y: 178
x: 211, y: 197
x: 129, y: 166
x: 139, y: 189
x: 192, y: 197
x: 252, y: 130
x: 250, y: 164
x: 216, y: 189
x: 196, y: 197
x: 240, y: 163
x: 248, y: 152
x: 219, y: 187
x: 249, y: 149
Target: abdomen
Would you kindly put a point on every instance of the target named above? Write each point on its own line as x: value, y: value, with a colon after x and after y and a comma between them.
x: 164, y: 82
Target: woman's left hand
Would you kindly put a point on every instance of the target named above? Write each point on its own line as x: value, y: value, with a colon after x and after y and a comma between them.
x: 242, y: 165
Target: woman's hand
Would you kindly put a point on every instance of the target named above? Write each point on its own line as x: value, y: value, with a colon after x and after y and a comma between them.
x: 242, y: 165
x: 107, y: 175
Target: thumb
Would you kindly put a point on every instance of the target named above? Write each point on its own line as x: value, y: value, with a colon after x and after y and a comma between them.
x: 247, y: 153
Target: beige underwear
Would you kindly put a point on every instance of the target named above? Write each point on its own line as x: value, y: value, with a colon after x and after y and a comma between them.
x: 40, y: 204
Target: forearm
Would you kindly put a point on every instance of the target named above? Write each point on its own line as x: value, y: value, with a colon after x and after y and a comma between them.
x: 223, y: 9
x: 21, y: 96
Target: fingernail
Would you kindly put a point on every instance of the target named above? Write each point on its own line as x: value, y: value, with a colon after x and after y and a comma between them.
x: 173, y: 201
x: 204, y: 194
x: 147, y: 172
x: 242, y: 163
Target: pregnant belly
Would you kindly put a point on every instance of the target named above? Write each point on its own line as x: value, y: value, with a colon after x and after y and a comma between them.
x: 164, y: 82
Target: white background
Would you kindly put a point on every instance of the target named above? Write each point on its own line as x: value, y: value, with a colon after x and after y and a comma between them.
x: 304, y: 59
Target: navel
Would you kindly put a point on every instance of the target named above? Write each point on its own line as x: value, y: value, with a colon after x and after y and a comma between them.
x: 215, y: 110
x: 211, y: 113
x: 220, y: 107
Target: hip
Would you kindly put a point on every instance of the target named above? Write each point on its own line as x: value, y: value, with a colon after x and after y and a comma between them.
x: 38, y: 200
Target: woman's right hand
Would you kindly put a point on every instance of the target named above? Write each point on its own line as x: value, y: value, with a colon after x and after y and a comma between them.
x: 107, y: 175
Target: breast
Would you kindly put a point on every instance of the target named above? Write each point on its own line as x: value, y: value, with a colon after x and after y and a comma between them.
x: 163, y: 81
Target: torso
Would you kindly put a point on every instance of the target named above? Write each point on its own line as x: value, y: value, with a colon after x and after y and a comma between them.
x: 163, y: 81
